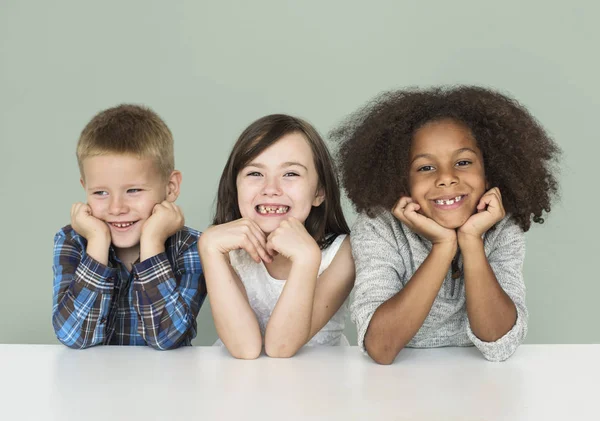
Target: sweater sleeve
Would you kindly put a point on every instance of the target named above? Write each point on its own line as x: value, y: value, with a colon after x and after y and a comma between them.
x: 379, y: 269
x: 506, y: 260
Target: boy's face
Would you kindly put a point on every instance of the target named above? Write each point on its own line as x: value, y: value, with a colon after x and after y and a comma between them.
x: 446, y: 176
x: 122, y: 191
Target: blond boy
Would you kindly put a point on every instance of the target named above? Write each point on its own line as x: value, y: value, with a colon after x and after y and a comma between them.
x: 127, y: 270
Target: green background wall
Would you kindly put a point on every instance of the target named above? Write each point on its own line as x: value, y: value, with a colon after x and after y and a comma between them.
x: 209, y: 68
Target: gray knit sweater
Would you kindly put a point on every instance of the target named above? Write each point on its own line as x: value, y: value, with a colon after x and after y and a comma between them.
x: 387, y: 254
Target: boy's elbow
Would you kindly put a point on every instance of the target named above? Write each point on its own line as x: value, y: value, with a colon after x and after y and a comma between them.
x: 73, y: 344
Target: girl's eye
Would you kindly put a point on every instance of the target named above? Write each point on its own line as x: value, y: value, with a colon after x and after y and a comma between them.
x: 254, y: 174
x: 463, y: 163
x: 100, y: 193
x: 425, y: 168
x: 134, y: 190
x: 290, y: 174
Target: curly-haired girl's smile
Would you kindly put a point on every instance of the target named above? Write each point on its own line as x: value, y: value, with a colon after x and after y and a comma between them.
x: 446, y: 176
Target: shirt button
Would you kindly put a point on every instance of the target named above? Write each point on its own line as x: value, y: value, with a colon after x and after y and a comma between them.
x: 103, y: 320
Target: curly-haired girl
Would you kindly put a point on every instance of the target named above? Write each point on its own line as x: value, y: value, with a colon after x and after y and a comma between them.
x: 447, y: 180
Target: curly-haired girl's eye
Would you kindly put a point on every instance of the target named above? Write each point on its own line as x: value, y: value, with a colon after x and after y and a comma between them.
x: 463, y: 163
x: 426, y: 168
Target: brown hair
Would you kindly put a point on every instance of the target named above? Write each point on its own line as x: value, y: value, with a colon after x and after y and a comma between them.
x: 520, y: 157
x: 128, y: 129
x: 325, y: 221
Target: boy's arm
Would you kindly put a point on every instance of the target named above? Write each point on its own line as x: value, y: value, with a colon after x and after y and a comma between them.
x: 495, y: 293
x: 167, y: 299
x: 82, y: 293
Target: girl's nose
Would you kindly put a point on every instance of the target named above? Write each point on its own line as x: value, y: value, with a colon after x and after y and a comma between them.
x: 446, y: 178
x: 271, y: 187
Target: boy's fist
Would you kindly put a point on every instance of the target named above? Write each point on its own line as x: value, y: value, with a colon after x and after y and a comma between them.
x: 166, y: 219
x: 87, y: 225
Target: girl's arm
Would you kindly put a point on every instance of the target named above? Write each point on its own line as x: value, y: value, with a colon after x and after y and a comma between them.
x: 494, y: 287
x: 398, y: 319
x: 307, y: 303
x: 235, y: 321
x: 495, y: 292
x: 490, y: 310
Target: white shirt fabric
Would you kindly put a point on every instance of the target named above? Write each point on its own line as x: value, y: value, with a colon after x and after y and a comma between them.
x: 263, y: 293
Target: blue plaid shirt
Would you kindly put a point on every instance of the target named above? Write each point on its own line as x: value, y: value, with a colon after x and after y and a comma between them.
x: 155, y: 304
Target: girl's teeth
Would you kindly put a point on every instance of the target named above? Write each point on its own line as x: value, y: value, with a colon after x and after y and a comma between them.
x: 449, y: 201
x: 273, y: 209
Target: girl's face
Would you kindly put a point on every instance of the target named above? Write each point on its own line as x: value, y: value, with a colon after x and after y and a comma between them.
x: 280, y: 182
x: 446, y: 173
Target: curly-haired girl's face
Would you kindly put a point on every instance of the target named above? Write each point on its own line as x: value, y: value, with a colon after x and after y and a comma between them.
x: 280, y: 182
x: 446, y: 173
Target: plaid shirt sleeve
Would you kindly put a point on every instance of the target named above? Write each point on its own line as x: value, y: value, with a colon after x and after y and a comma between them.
x: 168, y: 291
x: 82, y: 293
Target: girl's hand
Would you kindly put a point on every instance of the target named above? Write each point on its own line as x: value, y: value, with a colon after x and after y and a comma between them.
x: 292, y: 241
x: 239, y: 234
x: 489, y: 211
x: 406, y: 209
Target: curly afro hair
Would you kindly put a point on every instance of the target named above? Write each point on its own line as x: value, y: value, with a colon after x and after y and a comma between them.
x: 519, y: 156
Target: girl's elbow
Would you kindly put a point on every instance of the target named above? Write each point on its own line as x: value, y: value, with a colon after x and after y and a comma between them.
x: 245, y: 354
x: 280, y: 349
x: 382, y: 352
x: 248, y: 351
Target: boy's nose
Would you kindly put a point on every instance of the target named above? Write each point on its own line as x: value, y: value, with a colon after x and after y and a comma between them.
x: 117, y: 206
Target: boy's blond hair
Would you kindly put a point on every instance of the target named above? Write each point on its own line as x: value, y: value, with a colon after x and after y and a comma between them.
x: 131, y: 130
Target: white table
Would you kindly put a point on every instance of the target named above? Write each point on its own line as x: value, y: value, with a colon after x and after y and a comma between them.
x: 540, y: 382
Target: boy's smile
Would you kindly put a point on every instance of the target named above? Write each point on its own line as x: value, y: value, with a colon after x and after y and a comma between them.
x: 122, y: 191
x: 280, y: 182
x: 447, y: 176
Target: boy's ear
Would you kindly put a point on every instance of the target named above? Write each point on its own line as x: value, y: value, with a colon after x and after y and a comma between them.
x: 173, y: 185
x: 319, y: 197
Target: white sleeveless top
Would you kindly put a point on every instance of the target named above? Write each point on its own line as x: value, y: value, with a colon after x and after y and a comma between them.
x: 263, y: 293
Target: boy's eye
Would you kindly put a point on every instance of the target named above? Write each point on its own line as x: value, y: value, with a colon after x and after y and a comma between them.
x: 100, y: 193
x: 134, y: 190
x: 463, y: 163
x: 425, y: 168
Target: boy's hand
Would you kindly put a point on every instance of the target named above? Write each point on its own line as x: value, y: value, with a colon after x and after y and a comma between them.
x: 87, y: 225
x: 489, y: 211
x: 291, y: 240
x: 406, y: 209
x: 166, y: 219
x: 242, y: 233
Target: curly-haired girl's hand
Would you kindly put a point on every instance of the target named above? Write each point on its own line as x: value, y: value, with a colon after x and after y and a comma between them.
x: 406, y: 209
x: 489, y: 211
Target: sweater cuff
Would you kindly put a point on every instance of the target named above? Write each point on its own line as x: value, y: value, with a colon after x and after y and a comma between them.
x: 505, y: 346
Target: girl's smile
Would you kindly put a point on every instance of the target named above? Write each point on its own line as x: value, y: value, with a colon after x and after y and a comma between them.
x: 446, y: 175
x: 280, y: 182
